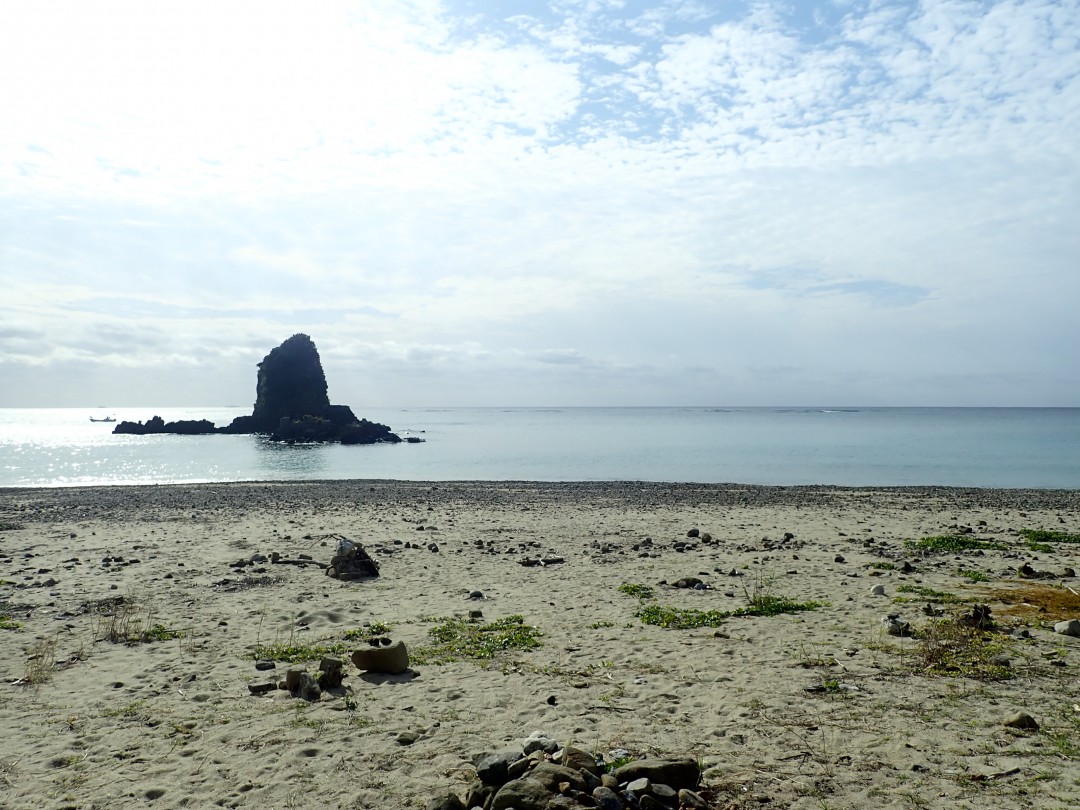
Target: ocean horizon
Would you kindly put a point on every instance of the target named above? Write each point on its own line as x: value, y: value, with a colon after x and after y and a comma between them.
x: 988, y: 447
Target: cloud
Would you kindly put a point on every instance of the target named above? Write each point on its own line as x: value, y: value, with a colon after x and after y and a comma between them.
x: 682, y: 193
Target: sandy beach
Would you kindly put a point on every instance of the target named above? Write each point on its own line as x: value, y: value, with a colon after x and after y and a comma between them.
x: 133, y: 618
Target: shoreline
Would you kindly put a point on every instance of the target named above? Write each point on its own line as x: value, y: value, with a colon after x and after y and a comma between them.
x: 793, y: 710
x: 113, y: 500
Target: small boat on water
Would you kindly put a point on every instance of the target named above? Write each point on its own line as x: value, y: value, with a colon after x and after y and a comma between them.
x: 103, y: 419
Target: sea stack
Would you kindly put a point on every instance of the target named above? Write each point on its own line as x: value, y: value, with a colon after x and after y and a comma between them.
x: 291, y: 405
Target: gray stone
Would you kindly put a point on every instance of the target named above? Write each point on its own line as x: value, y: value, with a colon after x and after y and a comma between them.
x: 447, y: 801
x: 521, y: 794
x: 301, y: 683
x: 260, y: 686
x: 579, y: 759
x: 607, y: 799
x: 664, y: 794
x: 550, y: 775
x: 538, y: 741
x: 521, y: 767
x: 491, y: 769
x: 641, y: 785
x: 1068, y: 628
x: 479, y: 796
x: 591, y: 780
x: 331, y: 672
x: 408, y: 737
x: 895, y: 627
x: 391, y: 660
x: 1022, y: 720
x: 877, y: 590
x: 677, y: 773
x: 691, y: 800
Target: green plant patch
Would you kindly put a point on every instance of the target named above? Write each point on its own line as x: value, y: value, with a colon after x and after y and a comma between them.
x: 8, y: 623
x: 639, y: 591
x: 948, y: 647
x: 761, y: 604
x: 617, y: 763
x: 883, y: 566
x: 290, y: 652
x: 679, y: 618
x: 972, y: 575
x: 927, y: 594
x: 1040, y: 548
x: 160, y: 632
x: 767, y: 604
x: 953, y: 543
x: 373, y: 630
x: 1048, y: 536
x: 455, y: 639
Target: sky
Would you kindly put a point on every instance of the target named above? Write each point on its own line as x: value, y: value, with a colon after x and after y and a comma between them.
x: 563, y: 203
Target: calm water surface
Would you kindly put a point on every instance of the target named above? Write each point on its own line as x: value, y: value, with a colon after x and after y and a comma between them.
x: 981, y: 447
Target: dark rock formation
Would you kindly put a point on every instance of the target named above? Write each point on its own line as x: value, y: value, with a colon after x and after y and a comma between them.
x: 291, y: 405
x: 291, y: 384
x: 186, y: 427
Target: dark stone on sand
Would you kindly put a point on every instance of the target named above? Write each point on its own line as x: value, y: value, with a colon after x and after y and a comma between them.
x: 449, y: 801
x: 261, y: 686
x: 607, y: 799
x: 392, y: 660
x: 677, y: 773
x: 521, y: 794
x: 492, y: 769
x: 1022, y: 720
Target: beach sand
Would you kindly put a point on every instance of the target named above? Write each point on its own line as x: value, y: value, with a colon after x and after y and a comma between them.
x: 812, y: 709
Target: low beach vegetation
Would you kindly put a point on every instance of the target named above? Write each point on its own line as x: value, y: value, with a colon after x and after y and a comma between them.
x: 953, y: 648
x: 973, y: 575
x: 8, y: 623
x: 680, y: 618
x: 293, y: 651
x: 923, y: 594
x: 368, y: 632
x: 760, y: 602
x: 1049, y: 536
x: 455, y: 639
x: 637, y: 590
x: 126, y: 625
x: 952, y: 544
x: 40, y: 662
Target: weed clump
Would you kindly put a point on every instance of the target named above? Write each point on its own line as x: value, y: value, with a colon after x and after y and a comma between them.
x: 926, y: 594
x: 760, y: 603
x: 954, y: 647
x: 680, y: 618
x: 373, y: 630
x: 455, y: 639
x: 637, y: 590
x: 1049, y: 536
x: 291, y: 652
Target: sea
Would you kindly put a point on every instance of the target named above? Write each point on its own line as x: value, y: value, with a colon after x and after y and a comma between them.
x: 845, y: 446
